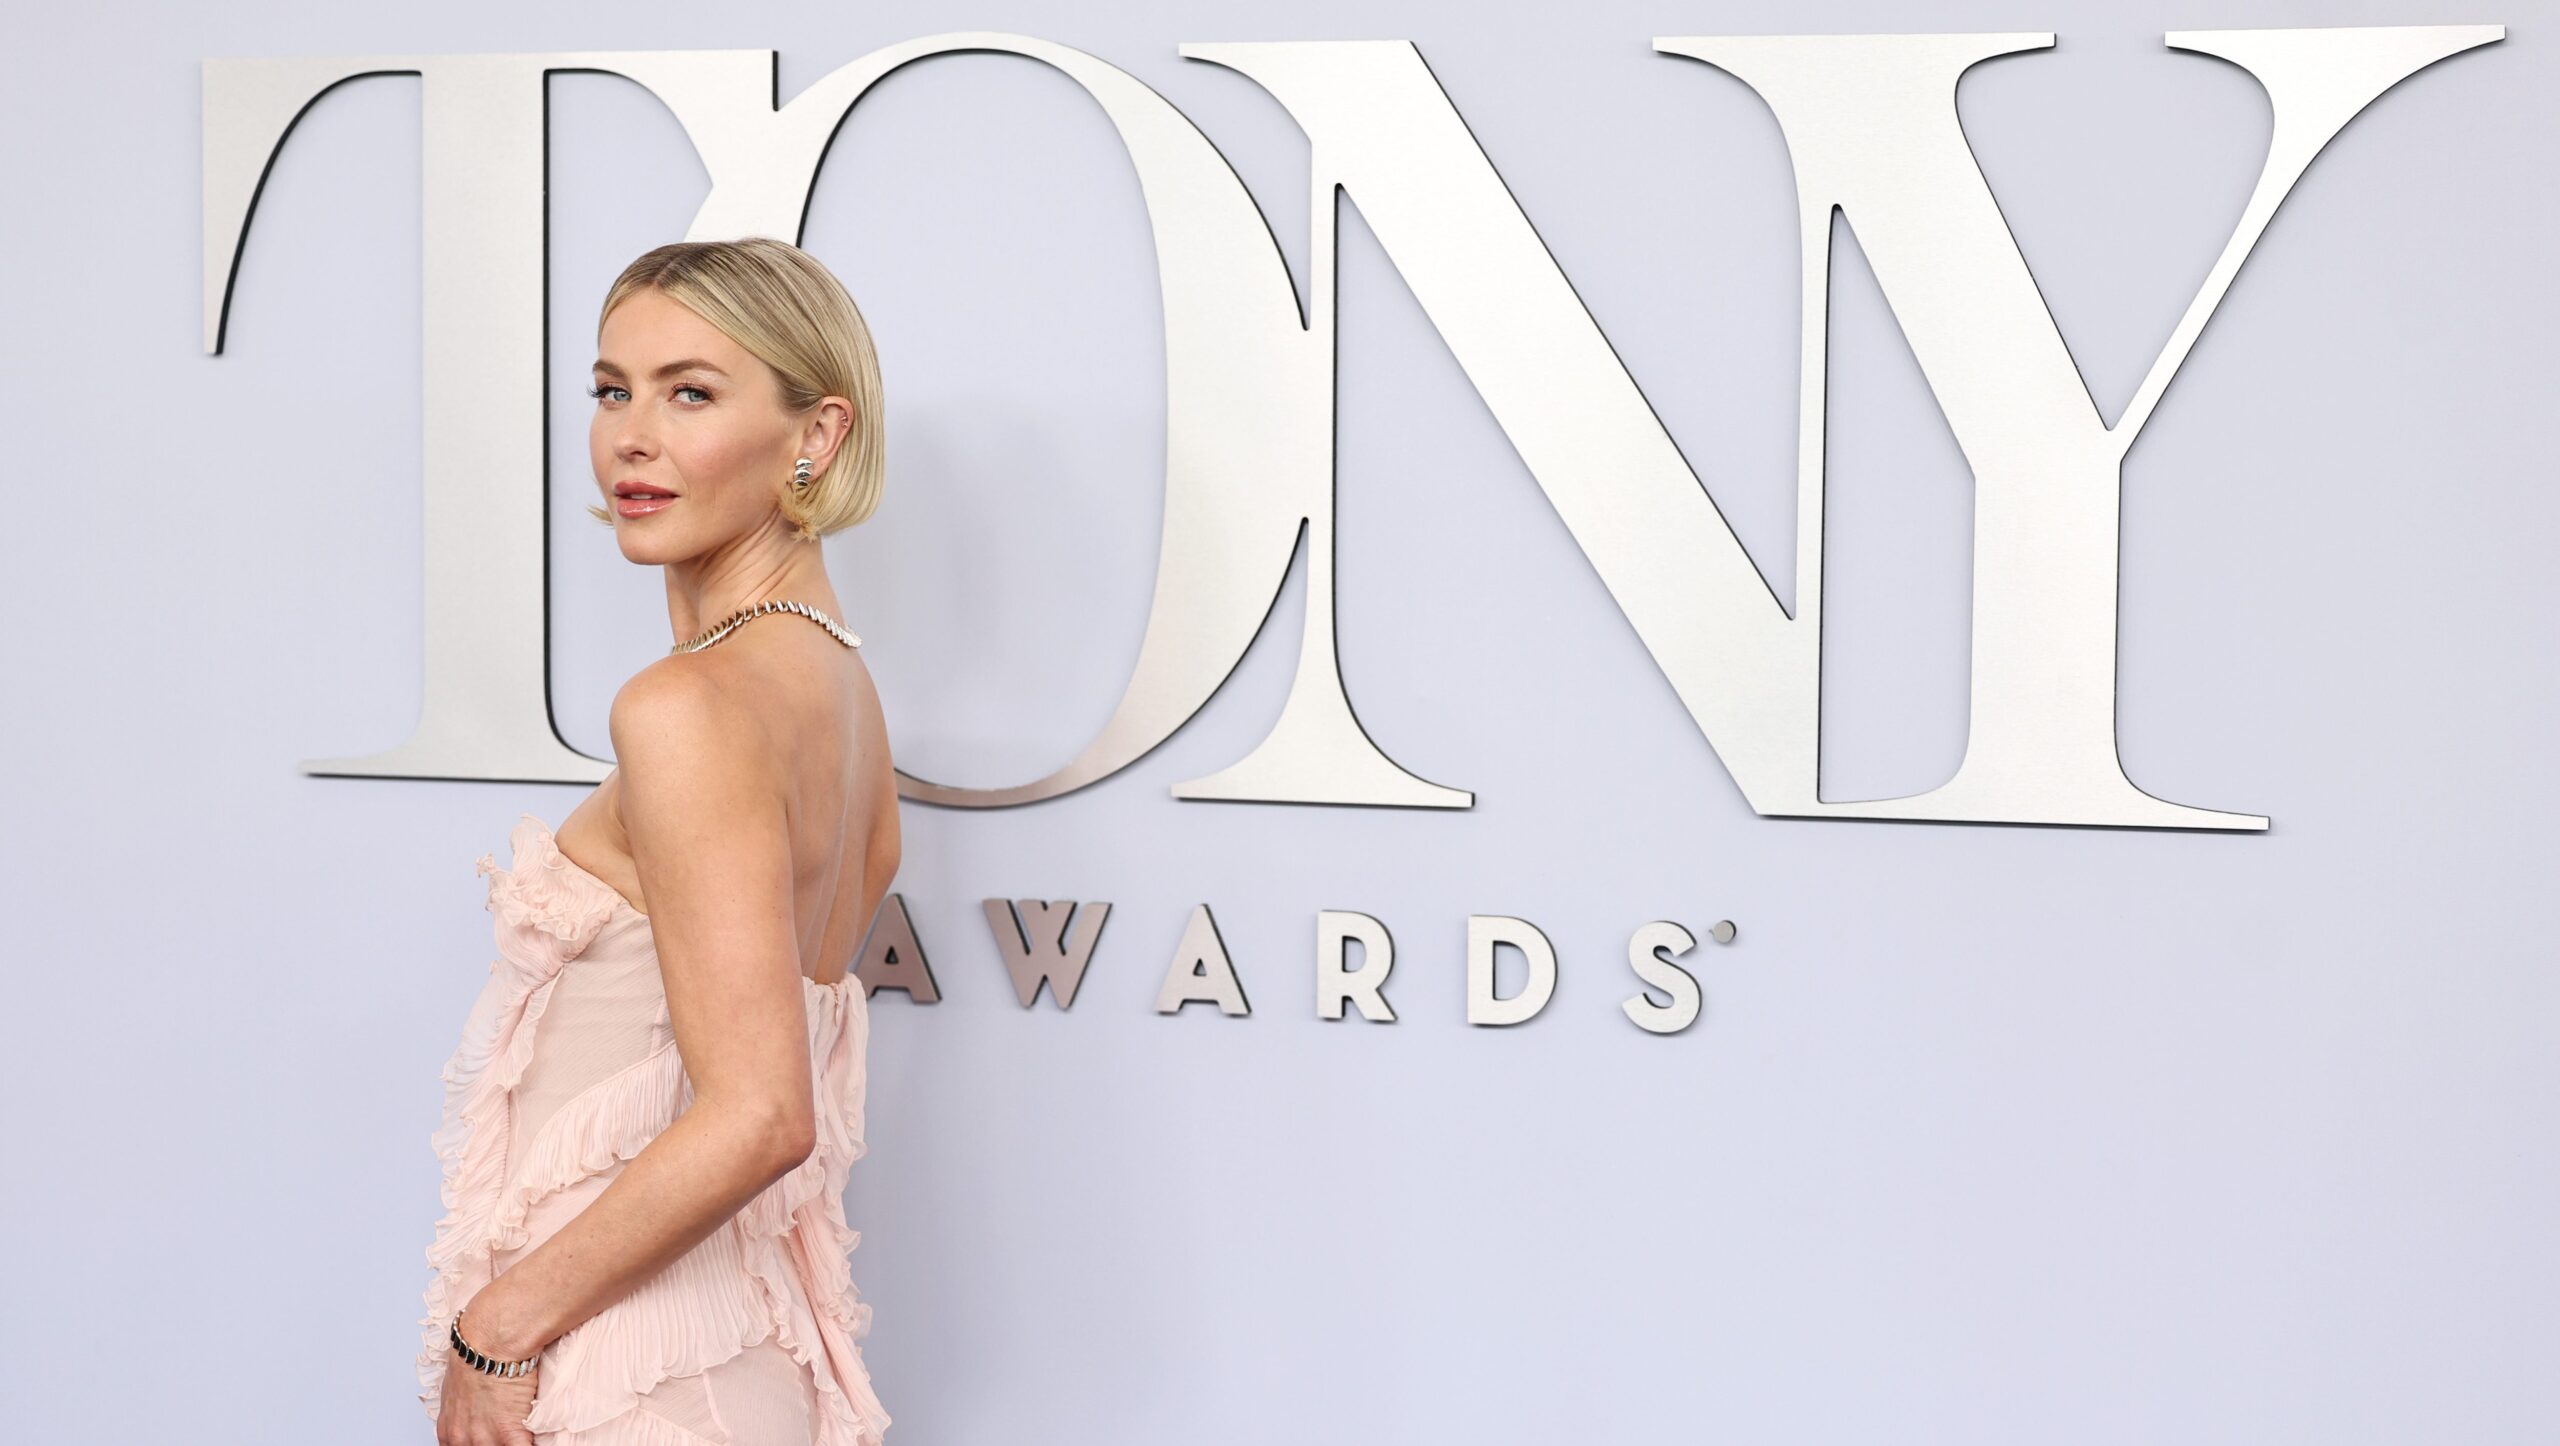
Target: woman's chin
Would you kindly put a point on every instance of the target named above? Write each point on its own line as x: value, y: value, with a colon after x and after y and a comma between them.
x: 649, y: 546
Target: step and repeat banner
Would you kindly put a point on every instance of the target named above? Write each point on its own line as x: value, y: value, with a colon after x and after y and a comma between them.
x: 1589, y: 749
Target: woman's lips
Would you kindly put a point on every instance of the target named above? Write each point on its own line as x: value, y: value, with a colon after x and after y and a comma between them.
x: 640, y: 506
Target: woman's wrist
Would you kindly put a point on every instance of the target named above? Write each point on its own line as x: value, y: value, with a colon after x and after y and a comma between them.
x: 497, y: 1329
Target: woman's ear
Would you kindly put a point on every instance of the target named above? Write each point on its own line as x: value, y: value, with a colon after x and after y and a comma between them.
x: 830, y: 425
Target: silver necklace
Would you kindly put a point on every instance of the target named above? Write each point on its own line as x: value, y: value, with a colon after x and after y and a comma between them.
x: 726, y: 625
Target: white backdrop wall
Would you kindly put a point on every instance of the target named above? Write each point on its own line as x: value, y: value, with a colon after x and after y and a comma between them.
x: 1987, y: 1134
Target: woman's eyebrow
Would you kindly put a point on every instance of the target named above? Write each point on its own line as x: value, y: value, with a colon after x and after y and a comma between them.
x: 689, y: 364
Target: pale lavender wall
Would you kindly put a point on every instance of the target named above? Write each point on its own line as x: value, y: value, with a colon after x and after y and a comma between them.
x: 1988, y: 1135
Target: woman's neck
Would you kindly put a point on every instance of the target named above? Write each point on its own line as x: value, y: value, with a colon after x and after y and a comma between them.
x: 706, y: 590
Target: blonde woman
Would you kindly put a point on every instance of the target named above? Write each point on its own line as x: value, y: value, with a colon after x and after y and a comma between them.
x: 650, y: 1117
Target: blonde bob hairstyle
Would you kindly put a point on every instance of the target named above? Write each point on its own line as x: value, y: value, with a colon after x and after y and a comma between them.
x: 784, y: 307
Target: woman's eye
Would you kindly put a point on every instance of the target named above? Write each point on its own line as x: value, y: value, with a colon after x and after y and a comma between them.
x: 599, y: 392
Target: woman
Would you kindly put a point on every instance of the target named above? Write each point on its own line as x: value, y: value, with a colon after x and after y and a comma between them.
x: 650, y: 1118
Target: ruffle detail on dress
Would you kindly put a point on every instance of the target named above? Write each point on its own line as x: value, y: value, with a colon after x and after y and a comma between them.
x: 699, y: 1312
x: 779, y: 1270
x: 609, y: 1122
x: 796, y: 1229
x: 851, y: 1412
x: 837, y: 1036
x: 497, y: 1044
x: 545, y: 893
x: 546, y: 915
x: 786, y: 1253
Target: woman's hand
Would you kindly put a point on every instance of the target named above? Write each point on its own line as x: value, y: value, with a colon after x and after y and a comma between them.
x: 479, y: 1409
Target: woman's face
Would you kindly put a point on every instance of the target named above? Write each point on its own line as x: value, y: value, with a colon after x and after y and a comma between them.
x: 691, y: 445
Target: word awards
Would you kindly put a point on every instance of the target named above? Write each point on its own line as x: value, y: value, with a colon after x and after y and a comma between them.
x: 1050, y: 942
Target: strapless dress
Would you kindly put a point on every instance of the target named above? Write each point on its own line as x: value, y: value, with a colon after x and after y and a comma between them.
x: 567, y: 1068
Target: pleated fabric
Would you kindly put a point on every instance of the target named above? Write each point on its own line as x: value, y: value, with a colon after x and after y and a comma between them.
x: 567, y: 1067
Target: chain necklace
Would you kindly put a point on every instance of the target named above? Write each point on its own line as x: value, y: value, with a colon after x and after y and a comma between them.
x: 725, y: 626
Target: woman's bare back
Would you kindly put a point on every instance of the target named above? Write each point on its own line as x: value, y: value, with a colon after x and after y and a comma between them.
x: 817, y: 698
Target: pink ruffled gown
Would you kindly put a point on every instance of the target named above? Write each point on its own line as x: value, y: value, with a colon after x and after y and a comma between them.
x: 567, y: 1067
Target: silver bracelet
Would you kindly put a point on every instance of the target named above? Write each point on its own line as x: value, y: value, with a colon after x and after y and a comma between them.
x: 479, y: 1362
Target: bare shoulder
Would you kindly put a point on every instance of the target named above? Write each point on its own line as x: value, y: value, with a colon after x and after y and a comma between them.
x: 692, y: 724
x: 682, y: 699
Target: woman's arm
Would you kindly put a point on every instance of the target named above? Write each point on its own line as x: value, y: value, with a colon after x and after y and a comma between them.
x: 702, y: 802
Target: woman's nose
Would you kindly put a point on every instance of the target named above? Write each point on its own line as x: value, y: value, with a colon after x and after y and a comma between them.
x: 631, y: 440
